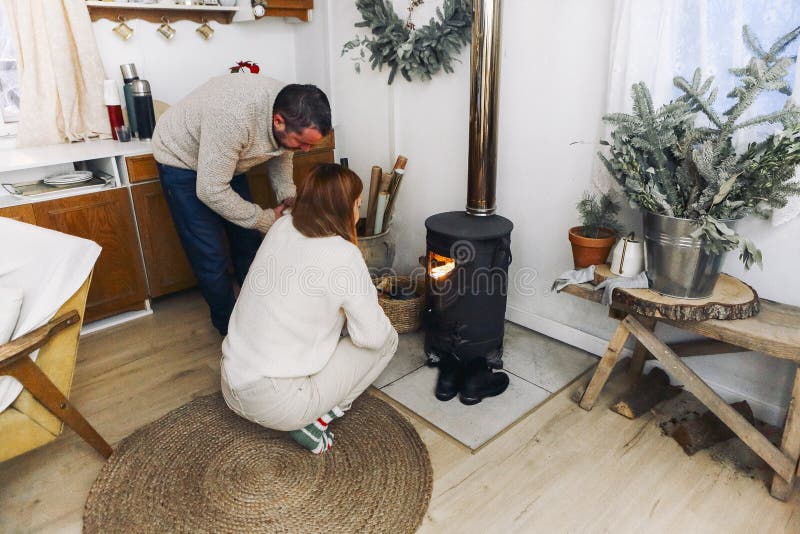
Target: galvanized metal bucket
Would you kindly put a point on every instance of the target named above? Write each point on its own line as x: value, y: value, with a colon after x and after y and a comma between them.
x: 378, y: 250
x: 676, y: 263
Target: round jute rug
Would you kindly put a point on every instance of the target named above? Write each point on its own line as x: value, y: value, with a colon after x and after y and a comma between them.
x: 202, y: 468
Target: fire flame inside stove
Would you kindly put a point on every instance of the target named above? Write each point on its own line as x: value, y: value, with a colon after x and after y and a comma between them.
x: 440, y: 266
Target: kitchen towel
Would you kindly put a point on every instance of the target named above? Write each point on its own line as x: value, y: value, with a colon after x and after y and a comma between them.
x: 579, y: 276
x: 49, y: 267
x: 632, y: 282
x: 576, y: 276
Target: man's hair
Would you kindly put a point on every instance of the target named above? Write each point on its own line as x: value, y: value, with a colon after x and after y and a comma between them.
x: 304, y: 106
x: 325, y: 200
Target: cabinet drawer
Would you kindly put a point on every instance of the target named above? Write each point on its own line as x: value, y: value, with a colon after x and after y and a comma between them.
x: 290, y: 8
x: 303, y: 164
x: 22, y: 213
x: 141, y: 168
x: 327, y: 143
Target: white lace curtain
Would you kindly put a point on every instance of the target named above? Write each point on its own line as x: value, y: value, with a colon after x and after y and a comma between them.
x: 9, y: 80
x: 60, y: 72
x: 656, y: 40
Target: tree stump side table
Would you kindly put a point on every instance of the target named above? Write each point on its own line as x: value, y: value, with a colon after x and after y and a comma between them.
x: 734, y: 320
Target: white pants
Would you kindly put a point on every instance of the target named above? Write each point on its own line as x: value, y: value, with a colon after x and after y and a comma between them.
x: 292, y: 403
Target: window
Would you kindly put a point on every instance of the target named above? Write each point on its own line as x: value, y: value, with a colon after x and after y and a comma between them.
x: 710, y: 36
x: 9, y: 79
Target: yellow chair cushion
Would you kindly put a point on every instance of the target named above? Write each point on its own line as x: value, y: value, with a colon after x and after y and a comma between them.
x: 20, y: 434
x: 57, y: 360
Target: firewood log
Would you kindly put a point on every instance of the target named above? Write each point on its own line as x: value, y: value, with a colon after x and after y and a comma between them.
x: 648, y: 391
x: 707, y: 430
x: 372, y: 202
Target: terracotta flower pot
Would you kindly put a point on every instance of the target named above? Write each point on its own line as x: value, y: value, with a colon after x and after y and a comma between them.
x: 588, y: 251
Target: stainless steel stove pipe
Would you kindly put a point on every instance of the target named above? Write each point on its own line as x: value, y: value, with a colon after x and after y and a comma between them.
x: 484, y: 67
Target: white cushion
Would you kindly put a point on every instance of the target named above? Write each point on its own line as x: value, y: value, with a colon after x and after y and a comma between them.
x: 10, y: 305
x: 49, y: 267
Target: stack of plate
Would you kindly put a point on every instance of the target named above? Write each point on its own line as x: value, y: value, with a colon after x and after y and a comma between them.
x: 68, y: 178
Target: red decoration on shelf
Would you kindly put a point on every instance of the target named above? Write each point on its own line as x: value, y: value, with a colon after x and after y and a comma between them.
x: 246, y: 66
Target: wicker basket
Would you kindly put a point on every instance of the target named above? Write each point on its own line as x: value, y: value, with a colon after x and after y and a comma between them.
x: 404, y: 314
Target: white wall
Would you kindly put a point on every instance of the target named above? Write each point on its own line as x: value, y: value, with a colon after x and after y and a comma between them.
x: 553, y: 82
x: 552, y: 98
x: 312, y: 50
x: 174, y: 68
x: 426, y: 121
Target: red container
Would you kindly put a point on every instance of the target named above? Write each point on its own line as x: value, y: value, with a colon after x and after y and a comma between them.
x: 115, y: 118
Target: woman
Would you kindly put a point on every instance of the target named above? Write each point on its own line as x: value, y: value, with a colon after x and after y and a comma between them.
x: 285, y: 363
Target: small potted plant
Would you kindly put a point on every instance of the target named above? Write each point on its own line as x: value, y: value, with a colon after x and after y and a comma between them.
x: 592, y: 241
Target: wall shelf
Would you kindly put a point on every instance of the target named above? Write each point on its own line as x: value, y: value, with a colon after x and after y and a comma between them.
x: 154, y: 12
x: 112, y: 11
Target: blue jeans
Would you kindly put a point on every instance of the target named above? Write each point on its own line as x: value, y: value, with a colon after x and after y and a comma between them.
x: 203, y: 235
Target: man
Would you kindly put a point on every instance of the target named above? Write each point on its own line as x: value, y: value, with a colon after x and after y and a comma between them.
x: 205, y: 143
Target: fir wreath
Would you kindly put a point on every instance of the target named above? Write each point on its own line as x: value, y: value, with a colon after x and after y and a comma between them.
x: 400, y: 45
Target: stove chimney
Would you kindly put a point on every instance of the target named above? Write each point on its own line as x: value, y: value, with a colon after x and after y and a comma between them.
x: 484, y: 69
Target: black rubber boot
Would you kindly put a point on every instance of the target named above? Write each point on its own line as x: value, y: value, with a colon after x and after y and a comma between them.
x: 449, y: 381
x: 480, y: 382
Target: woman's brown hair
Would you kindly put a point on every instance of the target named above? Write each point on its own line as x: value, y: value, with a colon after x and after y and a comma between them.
x: 325, y: 200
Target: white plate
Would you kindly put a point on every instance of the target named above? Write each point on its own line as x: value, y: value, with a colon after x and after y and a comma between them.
x: 68, y: 178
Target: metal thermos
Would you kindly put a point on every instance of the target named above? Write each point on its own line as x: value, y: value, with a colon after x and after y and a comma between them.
x: 129, y: 75
x: 143, y: 106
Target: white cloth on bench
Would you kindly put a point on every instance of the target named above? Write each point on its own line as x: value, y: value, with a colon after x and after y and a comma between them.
x: 580, y: 276
x: 608, y: 285
x: 49, y: 267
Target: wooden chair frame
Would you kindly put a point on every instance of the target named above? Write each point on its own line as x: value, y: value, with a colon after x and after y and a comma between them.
x: 15, y: 361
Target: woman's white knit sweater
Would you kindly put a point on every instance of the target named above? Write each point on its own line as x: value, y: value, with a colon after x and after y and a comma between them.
x: 290, y: 313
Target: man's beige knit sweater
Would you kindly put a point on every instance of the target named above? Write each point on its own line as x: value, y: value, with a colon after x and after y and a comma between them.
x: 221, y: 129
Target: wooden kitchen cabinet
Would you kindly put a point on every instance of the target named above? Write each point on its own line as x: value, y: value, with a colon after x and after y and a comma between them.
x: 290, y: 8
x: 118, y: 283
x: 258, y: 177
x: 22, y: 213
x: 168, y: 269
x: 141, y: 168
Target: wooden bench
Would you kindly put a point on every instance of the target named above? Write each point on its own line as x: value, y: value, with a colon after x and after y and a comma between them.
x: 774, y: 331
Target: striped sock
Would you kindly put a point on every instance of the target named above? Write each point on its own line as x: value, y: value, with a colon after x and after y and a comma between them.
x: 316, y: 437
x: 312, y: 438
x: 323, y: 421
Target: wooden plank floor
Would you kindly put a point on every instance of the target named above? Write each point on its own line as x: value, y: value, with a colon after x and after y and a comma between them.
x: 560, y: 469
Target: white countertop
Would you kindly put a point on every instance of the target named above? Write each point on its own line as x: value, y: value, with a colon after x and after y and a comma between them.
x: 41, y: 156
x: 7, y: 200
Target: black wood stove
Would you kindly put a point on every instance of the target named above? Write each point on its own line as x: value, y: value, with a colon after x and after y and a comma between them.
x: 468, y: 253
x: 468, y: 259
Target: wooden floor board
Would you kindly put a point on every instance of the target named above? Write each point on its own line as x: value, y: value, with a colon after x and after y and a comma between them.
x: 560, y: 469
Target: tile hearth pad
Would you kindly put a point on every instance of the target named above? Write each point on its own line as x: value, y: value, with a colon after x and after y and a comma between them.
x: 538, y: 367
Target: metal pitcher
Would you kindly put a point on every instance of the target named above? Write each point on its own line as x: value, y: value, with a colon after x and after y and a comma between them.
x: 627, y: 257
